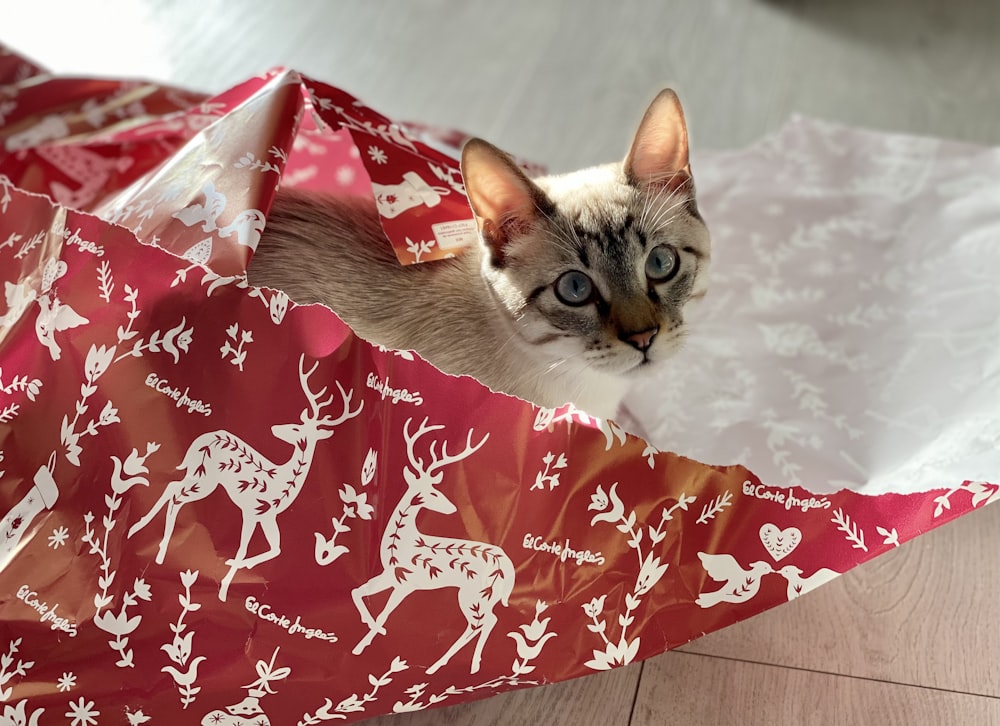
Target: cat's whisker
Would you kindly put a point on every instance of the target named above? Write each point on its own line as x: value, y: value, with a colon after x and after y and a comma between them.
x: 573, y: 244
x: 511, y: 337
x: 660, y: 199
x: 554, y: 365
x: 645, y: 208
x: 662, y: 210
x: 648, y: 201
x: 666, y: 177
x: 659, y: 223
x: 665, y: 193
x: 543, y: 374
x: 555, y: 232
x: 560, y: 242
x: 577, y: 237
x: 664, y: 224
x: 563, y: 232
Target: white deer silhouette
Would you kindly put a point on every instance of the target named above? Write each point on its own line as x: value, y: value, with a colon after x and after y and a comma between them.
x: 260, y: 488
x: 412, y: 560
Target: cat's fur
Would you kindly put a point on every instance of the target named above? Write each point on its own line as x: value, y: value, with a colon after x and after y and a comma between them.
x: 493, y: 313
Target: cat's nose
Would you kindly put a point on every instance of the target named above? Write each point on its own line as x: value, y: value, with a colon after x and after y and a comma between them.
x: 641, y: 340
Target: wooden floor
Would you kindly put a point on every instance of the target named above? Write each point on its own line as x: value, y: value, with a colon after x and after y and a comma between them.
x: 911, y: 638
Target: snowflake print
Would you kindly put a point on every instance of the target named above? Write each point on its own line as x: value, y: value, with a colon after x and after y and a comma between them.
x: 67, y: 681
x: 377, y: 155
x: 345, y: 175
x: 82, y: 713
x: 58, y: 537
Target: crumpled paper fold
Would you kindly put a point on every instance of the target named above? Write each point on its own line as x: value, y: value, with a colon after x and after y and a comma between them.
x: 220, y: 507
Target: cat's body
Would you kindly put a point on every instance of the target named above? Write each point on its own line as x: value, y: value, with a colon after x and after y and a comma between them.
x: 352, y: 269
x: 577, y: 289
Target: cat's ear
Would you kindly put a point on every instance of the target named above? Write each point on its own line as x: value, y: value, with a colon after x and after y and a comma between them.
x: 659, y: 153
x: 503, y: 199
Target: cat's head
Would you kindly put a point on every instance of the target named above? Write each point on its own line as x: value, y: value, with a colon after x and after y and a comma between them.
x: 596, y: 267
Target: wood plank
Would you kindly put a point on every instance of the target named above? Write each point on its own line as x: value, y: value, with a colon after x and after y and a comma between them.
x: 602, y: 698
x: 565, y: 82
x: 693, y: 690
x: 907, y: 65
x: 926, y: 614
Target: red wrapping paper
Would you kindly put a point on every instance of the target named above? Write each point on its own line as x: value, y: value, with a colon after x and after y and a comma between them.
x: 221, y: 507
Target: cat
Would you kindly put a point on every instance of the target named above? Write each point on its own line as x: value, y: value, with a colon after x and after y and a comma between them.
x: 579, y: 284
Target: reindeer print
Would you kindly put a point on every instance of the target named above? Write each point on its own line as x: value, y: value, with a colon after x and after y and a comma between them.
x: 412, y: 560
x: 260, y: 488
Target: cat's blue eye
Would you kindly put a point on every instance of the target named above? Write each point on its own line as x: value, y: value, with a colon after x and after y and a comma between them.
x: 662, y: 264
x: 574, y: 288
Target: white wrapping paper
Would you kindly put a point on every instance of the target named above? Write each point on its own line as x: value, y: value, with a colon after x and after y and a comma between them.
x: 851, y: 338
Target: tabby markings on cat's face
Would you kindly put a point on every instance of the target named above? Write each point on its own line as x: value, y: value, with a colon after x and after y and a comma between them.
x: 595, y: 268
x: 605, y: 275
